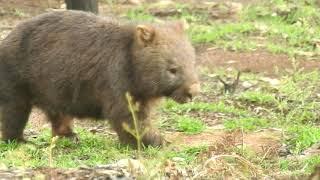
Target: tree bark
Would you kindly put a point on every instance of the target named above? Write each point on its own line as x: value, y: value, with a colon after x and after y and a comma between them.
x: 84, y: 5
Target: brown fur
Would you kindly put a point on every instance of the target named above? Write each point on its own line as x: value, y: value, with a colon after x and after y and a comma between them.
x: 75, y: 64
x: 62, y: 126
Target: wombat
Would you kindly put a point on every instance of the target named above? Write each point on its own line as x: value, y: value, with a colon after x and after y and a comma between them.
x: 73, y: 64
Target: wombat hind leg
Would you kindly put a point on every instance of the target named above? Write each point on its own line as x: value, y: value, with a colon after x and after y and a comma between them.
x: 14, y: 117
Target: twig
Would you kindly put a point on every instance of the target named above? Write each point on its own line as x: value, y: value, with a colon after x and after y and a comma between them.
x: 51, y: 147
x: 135, y: 122
x: 230, y: 87
x: 265, y: 154
x: 136, y: 131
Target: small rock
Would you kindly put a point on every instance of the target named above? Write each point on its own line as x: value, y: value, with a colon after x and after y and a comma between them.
x: 231, y: 62
x: 225, y: 10
x: 247, y: 84
x: 271, y: 81
x: 163, y: 9
x: 284, y: 151
x: 218, y: 127
x: 163, y: 3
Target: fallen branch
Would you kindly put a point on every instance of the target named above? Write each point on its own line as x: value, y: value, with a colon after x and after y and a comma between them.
x: 230, y: 87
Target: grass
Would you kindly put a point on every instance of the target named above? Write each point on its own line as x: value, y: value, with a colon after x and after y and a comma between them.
x: 298, y: 166
x: 18, y: 13
x: 189, y: 125
x: 171, y: 106
x: 216, y: 32
x: 289, y: 27
x: 139, y: 14
x: 188, y: 154
x: 290, y: 106
x: 247, y: 124
x: 292, y: 25
x: 257, y: 97
x: 302, y: 137
x: 92, y: 149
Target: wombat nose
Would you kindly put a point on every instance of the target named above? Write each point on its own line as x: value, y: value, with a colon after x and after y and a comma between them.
x: 194, y: 90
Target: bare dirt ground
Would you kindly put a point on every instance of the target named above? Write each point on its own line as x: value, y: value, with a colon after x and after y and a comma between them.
x: 261, y: 142
x: 256, y: 62
x: 267, y: 142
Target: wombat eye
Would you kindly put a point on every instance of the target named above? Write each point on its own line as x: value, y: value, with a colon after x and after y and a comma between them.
x: 173, y: 70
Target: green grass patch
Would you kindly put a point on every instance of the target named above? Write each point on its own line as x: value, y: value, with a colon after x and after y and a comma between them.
x: 296, y: 165
x: 302, y: 137
x: 91, y: 150
x: 139, y: 14
x: 304, y: 113
x: 217, y: 32
x: 290, y: 27
x: 300, y: 86
x: 257, y: 97
x: 171, y: 106
x: 247, y: 124
x: 189, y: 154
x: 189, y: 125
x: 298, y: 102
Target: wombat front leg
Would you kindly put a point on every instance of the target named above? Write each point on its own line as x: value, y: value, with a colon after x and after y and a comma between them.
x: 62, y: 126
x: 151, y: 137
x: 14, y: 117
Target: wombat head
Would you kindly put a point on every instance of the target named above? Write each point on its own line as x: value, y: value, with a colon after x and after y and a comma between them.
x: 164, y: 62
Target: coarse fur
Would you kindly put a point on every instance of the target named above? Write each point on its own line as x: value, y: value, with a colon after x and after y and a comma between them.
x: 76, y: 64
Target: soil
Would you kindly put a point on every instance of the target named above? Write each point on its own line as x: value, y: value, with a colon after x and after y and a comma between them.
x: 256, y: 62
x: 266, y: 142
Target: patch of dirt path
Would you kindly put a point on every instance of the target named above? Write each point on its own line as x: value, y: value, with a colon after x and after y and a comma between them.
x: 257, y: 62
x: 266, y: 142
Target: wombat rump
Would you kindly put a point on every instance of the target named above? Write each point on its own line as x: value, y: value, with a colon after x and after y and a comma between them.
x: 73, y: 64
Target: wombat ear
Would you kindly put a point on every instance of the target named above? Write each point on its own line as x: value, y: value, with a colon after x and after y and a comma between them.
x: 145, y: 33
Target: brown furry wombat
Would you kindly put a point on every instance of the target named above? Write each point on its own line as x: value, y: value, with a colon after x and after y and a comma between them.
x: 75, y: 64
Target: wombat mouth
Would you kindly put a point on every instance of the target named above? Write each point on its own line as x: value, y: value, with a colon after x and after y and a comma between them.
x: 179, y: 95
x: 180, y: 98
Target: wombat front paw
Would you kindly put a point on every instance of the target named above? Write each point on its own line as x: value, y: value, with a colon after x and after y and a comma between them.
x: 72, y: 137
x: 153, y: 139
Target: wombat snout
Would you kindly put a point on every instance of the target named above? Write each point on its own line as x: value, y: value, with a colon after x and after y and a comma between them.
x: 193, y: 90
